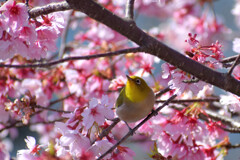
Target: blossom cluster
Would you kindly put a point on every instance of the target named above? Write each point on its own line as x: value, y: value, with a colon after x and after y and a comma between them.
x: 29, y: 38
x: 71, y: 127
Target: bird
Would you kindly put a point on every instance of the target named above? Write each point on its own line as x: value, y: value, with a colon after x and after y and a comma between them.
x: 135, y: 101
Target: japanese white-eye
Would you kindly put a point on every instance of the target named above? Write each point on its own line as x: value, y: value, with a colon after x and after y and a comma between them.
x: 135, y: 101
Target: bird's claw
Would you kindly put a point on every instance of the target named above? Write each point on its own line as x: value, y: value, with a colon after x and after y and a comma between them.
x: 130, y: 129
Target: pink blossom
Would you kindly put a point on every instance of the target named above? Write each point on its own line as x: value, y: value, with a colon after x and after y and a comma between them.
x: 26, y: 156
x: 76, y: 142
x: 99, y: 33
x: 117, y: 83
x: 215, y: 130
x: 73, y: 81
x: 236, y: 44
x: 4, y: 154
x: 53, y: 21
x: 42, y: 2
x: 3, y: 26
x: 16, y: 13
x: 4, y: 116
x: 33, y: 148
x: 97, y: 112
x: 182, y: 82
x: 236, y: 72
x: 35, y: 87
x: 10, y: 48
x: 46, y: 37
x: 100, y: 147
x: 125, y: 154
x: 231, y: 101
x: 192, y: 40
x: 236, y: 12
x: 28, y: 35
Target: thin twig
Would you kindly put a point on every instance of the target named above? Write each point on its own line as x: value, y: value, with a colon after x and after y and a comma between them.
x: 231, y: 130
x: 160, y: 93
x: 135, y: 128
x: 229, y: 146
x: 45, y: 122
x: 229, y: 59
x: 47, y: 65
x: 237, y: 60
x: 109, y: 128
x: 51, y: 109
x: 64, y: 35
x: 130, y: 9
x: 60, y: 99
x: 10, y: 126
x: 190, y: 100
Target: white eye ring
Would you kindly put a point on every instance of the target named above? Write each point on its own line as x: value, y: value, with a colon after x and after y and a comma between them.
x: 138, y: 81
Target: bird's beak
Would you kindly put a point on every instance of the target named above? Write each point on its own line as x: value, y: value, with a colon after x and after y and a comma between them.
x: 129, y: 78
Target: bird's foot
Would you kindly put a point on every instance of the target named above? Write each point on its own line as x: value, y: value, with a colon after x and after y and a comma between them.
x: 130, y: 129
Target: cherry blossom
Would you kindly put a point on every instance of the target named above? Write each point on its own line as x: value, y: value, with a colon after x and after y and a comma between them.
x: 231, y: 102
x: 15, y: 13
x: 99, y: 147
x: 33, y: 148
x: 97, y: 112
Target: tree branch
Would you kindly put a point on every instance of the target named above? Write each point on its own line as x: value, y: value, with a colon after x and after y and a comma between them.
x: 229, y: 146
x: 191, y: 100
x: 52, y: 7
x: 51, y: 109
x: 237, y: 60
x: 160, y: 93
x: 136, y: 127
x: 60, y: 99
x: 154, y: 47
x: 229, y: 59
x: 47, y: 65
x: 130, y: 9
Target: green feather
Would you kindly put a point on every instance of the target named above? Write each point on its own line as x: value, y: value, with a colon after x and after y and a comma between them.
x: 120, y: 98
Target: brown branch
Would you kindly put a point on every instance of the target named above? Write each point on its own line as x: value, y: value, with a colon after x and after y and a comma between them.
x: 52, y: 7
x: 229, y: 59
x: 136, y: 127
x: 155, y: 47
x: 45, y: 122
x: 237, y: 60
x: 47, y: 65
x: 160, y: 93
x: 229, y: 146
x: 51, y: 109
x: 191, y: 100
x: 231, y: 130
x: 130, y: 9
x: 60, y: 99
x: 10, y: 125
x: 109, y: 128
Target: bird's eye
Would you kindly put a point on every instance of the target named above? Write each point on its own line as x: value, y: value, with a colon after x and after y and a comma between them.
x: 138, y: 81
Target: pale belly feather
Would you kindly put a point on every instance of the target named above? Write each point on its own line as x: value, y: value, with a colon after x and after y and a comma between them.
x: 136, y: 111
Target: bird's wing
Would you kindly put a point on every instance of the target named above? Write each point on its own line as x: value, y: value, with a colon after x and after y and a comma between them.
x: 120, y: 98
